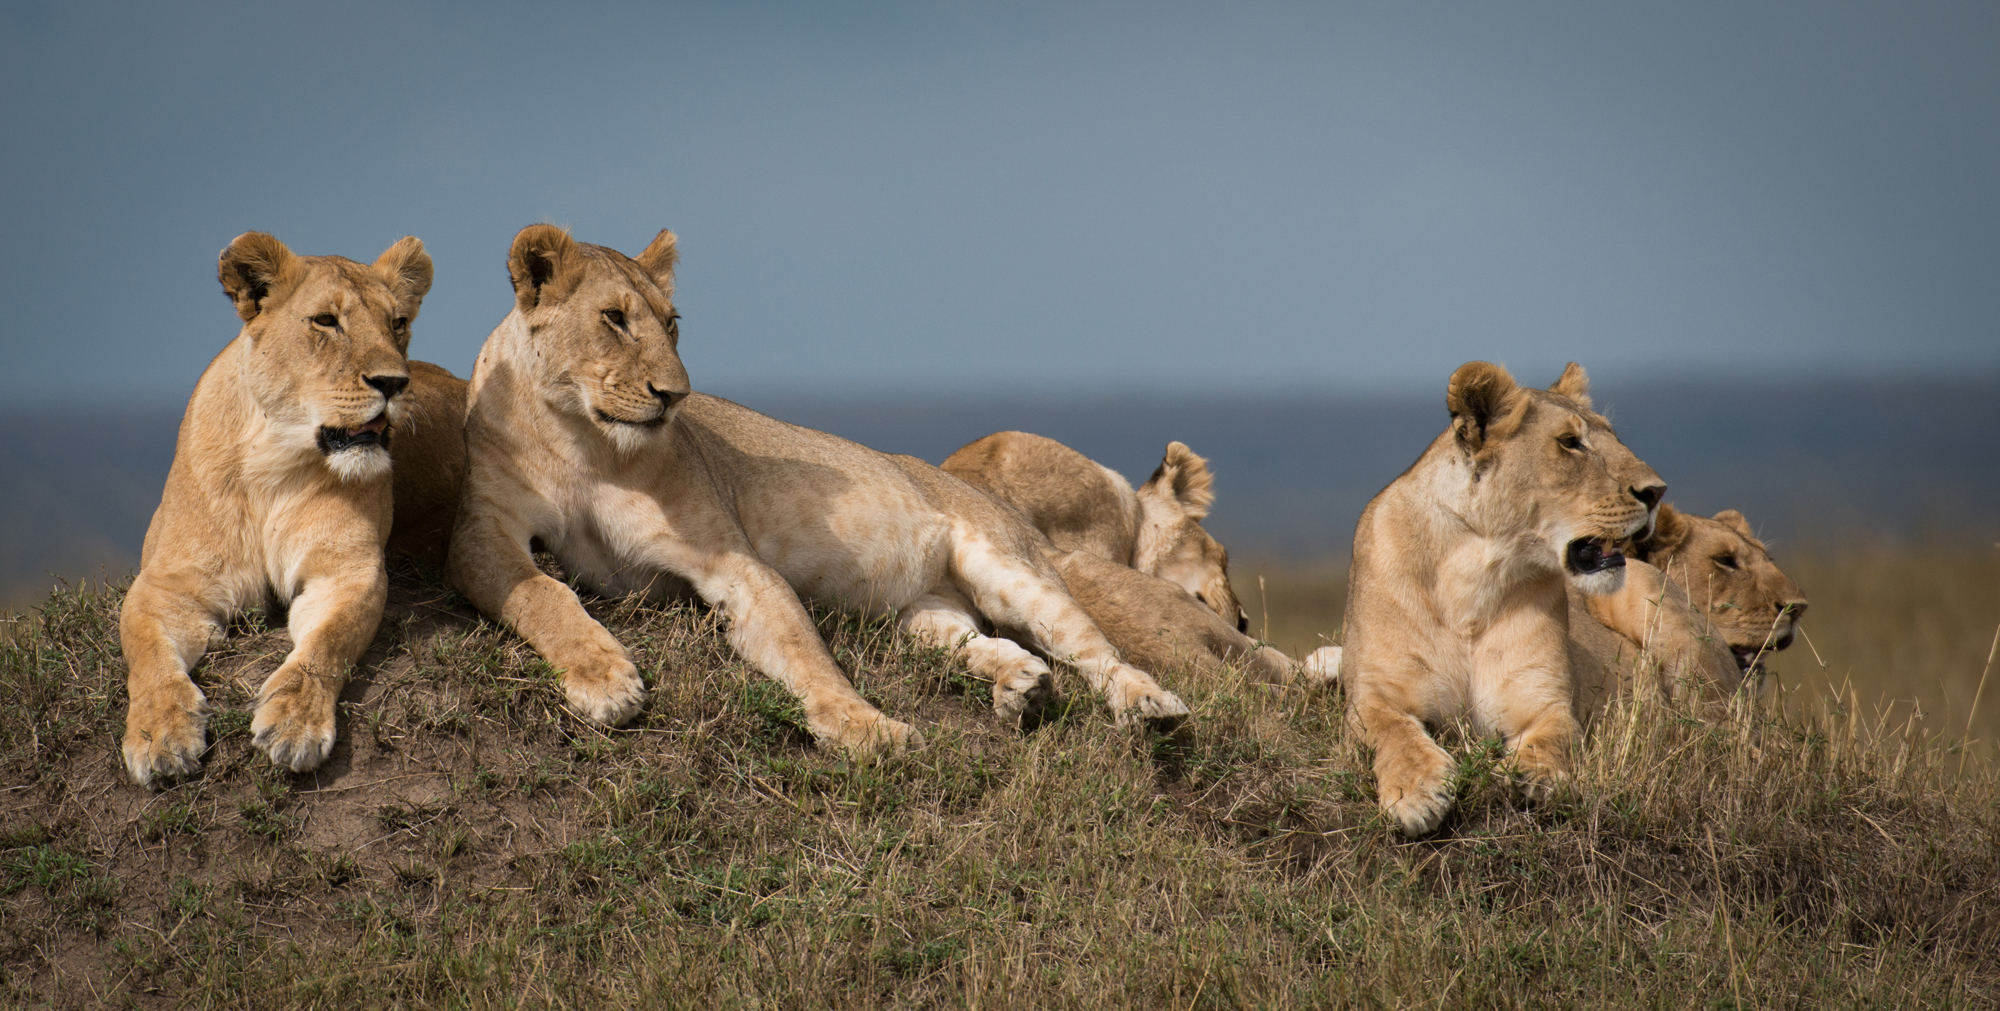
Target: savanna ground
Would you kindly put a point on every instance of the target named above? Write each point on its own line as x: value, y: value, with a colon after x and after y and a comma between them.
x: 471, y: 844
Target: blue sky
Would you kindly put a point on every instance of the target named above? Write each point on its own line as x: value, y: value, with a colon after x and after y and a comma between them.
x: 1037, y: 198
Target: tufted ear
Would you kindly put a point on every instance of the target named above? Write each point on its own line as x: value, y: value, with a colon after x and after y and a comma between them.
x: 1477, y: 397
x: 254, y: 270
x: 407, y: 269
x: 1574, y: 384
x: 1736, y: 521
x: 543, y: 260
x: 658, y: 260
x: 1183, y: 477
x: 1670, y: 531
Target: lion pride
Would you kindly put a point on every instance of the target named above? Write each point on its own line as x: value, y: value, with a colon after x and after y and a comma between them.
x: 281, y: 489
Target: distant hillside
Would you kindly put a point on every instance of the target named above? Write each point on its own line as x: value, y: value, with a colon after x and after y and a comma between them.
x: 1293, y: 472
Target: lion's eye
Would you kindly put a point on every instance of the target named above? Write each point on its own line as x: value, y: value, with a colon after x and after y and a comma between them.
x: 402, y: 321
x: 326, y: 319
x: 674, y: 325
x: 1569, y: 442
x: 615, y: 317
x: 1726, y: 561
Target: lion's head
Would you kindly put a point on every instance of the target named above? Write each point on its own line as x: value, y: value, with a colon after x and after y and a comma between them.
x: 604, y: 324
x: 327, y: 340
x: 1728, y: 572
x: 1173, y: 545
x: 1554, y: 467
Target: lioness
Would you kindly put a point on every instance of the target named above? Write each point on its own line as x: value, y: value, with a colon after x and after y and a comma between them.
x: 280, y: 487
x: 1159, y: 626
x: 1456, y: 596
x: 583, y: 435
x: 1083, y: 505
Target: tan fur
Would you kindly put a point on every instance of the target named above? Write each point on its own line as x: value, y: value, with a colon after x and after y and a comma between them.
x: 1457, y: 604
x: 1160, y: 627
x: 429, y: 451
x: 255, y: 508
x: 1084, y: 506
x: 582, y: 435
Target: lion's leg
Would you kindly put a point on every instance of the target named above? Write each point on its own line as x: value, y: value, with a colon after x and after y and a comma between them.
x: 1521, y: 689
x: 1016, y: 593
x: 1412, y: 773
x: 769, y: 628
x: 492, y: 567
x: 332, y: 621
x: 163, y: 632
x: 1021, y: 681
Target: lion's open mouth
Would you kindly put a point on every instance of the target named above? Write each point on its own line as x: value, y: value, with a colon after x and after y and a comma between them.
x: 652, y: 422
x: 374, y: 433
x: 1586, y: 555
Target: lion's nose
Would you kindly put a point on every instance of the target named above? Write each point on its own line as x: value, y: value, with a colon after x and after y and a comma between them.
x: 1795, y: 608
x: 666, y: 397
x: 389, y: 385
x: 1650, y: 495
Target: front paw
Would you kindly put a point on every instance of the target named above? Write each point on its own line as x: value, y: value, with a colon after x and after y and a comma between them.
x: 1419, y: 810
x: 606, y: 689
x: 1161, y: 709
x: 866, y: 735
x: 294, y: 721
x: 1019, y: 700
x: 164, y: 740
x: 1322, y: 666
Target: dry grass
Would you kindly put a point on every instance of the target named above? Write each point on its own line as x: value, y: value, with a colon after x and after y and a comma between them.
x: 473, y: 845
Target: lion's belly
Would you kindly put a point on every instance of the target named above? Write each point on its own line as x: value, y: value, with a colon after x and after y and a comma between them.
x: 873, y: 548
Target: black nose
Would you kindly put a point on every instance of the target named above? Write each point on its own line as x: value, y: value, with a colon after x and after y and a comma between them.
x: 666, y: 397
x: 389, y: 385
x: 1650, y: 495
x: 1793, y: 607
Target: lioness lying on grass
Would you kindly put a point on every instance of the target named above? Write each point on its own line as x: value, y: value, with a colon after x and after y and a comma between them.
x: 1085, y: 506
x: 280, y: 488
x: 1703, y: 606
x: 1139, y: 562
x: 582, y: 434
x: 1457, y: 599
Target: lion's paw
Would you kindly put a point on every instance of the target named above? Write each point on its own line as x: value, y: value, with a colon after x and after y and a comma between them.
x: 1159, y: 708
x: 1020, y: 699
x: 1323, y: 665
x: 1418, y: 812
x: 166, y: 741
x: 294, y: 727
x: 611, y: 695
x: 868, y: 736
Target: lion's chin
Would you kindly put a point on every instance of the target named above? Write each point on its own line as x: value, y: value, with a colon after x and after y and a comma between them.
x: 629, y: 439
x: 358, y: 464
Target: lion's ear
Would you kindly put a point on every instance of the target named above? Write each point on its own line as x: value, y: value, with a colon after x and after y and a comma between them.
x: 1736, y: 521
x: 1477, y: 394
x: 255, y: 268
x: 1574, y: 384
x: 407, y: 269
x: 658, y: 260
x: 1670, y: 531
x: 542, y: 256
x: 1183, y: 477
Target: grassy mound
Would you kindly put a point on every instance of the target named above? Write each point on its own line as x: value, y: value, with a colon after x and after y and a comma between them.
x: 471, y: 844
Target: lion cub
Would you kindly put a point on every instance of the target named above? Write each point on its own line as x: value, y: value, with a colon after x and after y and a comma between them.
x: 1085, y: 506
x: 583, y: 435
x: 1457, y: 602
x: 280, y: 488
